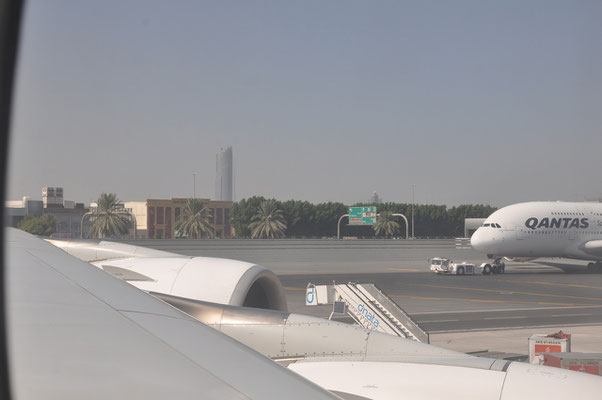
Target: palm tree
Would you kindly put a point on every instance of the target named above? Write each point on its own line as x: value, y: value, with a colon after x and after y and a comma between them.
x: 385, y: 224
x: 194, y: 222
x: 110, y: 218
x: 268, y: 222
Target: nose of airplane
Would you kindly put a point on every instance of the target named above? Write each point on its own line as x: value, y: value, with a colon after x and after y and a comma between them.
x: 476, y: 240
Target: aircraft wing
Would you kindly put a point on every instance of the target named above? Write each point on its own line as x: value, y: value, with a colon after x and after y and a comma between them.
x: 74, y: 331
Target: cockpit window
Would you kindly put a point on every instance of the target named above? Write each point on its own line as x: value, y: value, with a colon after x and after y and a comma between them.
x: 492, y: 224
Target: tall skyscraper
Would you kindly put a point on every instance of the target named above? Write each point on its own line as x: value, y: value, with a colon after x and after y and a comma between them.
x: 375, y: 198
x: 223, y: 175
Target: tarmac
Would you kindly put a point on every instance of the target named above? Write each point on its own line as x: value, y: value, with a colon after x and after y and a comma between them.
x: 466, y: 313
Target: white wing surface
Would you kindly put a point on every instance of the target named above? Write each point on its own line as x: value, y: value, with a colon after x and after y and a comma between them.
x: 75, y: 331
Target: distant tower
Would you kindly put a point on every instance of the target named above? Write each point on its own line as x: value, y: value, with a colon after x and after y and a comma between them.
x: 375, y: 199
x: 223, y: 175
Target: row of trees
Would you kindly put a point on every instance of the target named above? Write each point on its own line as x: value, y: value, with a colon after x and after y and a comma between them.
x: 257, y: 217
x: 112, y: 220
x: 43, y: 226
x: 109, y: 220
x: 304, y: 219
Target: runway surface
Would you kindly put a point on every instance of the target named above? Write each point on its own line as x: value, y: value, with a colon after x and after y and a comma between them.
x: 527, y: 295
x: 540, y: 298
x: 292, y: 256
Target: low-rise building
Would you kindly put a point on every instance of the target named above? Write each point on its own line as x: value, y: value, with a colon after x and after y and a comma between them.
x: 16, y: 210
x: 68, y: 214
x: 163, y: 215
x: 138, y: 210
x: 68, y: 220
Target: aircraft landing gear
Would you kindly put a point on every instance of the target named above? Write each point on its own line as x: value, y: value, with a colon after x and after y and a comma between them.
x: 595, y: 268
x: 498, y: 266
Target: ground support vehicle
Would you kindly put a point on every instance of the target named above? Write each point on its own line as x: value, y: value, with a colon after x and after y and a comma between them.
x: 449, y: 267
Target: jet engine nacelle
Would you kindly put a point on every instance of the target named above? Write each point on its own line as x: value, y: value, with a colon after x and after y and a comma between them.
x: 515, y: 381
x: 519, y: 259
x: 217, y: 280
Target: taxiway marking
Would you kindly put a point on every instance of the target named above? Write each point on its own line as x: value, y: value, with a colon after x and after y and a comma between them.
x: 440, y: 320
x: 505, y: 309
x: 490, y: 301
x: 571, y: 315
x: 514, y: 292
x: 510, y: 328
x: 406, y: 269
x: 575, y: 285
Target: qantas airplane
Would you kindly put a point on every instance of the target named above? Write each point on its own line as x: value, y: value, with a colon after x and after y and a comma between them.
x: 526, y: 231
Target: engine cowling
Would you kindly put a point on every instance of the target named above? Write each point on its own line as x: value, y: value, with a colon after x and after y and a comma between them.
x: 217, y: 280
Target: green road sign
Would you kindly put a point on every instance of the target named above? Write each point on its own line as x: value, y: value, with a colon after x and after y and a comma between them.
x: 362, y: 215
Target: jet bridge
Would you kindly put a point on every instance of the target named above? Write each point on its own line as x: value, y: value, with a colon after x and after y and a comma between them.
x: 368, y: 306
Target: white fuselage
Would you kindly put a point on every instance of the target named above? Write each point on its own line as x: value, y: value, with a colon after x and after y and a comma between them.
x: 543, y: 229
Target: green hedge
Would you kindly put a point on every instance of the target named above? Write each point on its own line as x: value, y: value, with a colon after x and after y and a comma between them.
x: 305, y: 219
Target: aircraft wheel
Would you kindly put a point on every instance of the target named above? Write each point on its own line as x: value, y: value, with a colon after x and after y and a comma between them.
x: 487, y: 269
x: 502, y: 269
x: 461, y: 271
x: 495, y: 269
x: 591, y: 267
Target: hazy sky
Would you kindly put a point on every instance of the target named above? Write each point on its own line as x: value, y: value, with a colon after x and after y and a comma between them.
x: 472, y: 101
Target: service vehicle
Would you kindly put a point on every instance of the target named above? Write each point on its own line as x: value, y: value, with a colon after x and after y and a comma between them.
x: 447, y: 266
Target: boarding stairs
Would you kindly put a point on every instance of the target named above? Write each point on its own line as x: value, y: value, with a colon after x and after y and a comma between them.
x: 369, y: 307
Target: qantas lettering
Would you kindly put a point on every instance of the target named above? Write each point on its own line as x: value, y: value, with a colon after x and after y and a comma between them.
x: 534, y: 223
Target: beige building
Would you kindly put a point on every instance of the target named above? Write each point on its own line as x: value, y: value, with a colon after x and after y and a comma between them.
x: 163, y: 215
x: 138, y: 210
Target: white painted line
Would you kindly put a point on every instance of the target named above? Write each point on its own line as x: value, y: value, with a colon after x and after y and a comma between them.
x: 510, y: 328
x: 570, y: 315
x: 505, y: 317
x: 503, y: 309
x: 439, y: 320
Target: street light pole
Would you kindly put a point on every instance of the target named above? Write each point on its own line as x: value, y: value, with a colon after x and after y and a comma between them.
x: 413, y: 187
x: 339, y: 225
x: 194, y: 174
x: 81, y: 227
